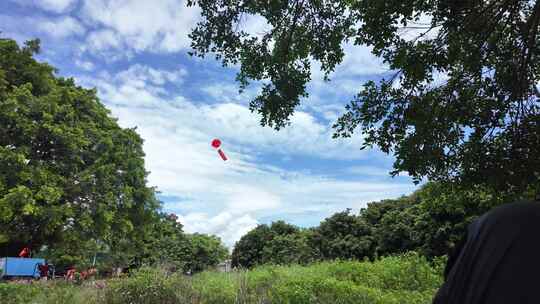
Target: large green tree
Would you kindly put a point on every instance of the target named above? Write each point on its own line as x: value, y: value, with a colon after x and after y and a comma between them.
x: 256, y: 246
x: 165, y: 245
x: 204, y: 251
x: 293, y: 248
x: 391, y: 224
x: 343, y: 236
x: 439, y: 215
x: 479, y: 126
x: 248, y: 251
x: 70, y: 177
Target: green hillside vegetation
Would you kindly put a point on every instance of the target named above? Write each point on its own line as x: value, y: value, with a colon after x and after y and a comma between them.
x: 407, y: 279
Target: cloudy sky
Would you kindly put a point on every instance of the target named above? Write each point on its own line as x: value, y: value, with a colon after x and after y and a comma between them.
x: 135, y: 53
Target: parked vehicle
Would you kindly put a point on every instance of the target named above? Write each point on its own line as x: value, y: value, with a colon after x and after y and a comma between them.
x: 13, y: 268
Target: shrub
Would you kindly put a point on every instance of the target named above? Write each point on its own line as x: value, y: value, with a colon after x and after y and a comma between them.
x: 18, y: 293
x: 145, y: 286
x: 47, y: 293
x: 405, y: 279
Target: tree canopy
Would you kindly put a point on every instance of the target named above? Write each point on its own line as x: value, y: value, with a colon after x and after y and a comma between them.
x: 259, y: 245
x: 204, y: 251
x: 480, y: 126
x: 343, y: 235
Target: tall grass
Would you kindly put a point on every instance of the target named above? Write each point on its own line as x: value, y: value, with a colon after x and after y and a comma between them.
x: 404, y: 279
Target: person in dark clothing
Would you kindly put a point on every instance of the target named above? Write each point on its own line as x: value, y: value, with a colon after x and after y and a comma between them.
x: 44, y: 271
x: 499, y: 260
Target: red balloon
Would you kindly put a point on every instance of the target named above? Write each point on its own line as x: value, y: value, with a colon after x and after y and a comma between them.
x: 216, y: 143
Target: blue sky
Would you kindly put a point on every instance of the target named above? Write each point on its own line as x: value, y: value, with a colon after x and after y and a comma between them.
x: 135, y: 53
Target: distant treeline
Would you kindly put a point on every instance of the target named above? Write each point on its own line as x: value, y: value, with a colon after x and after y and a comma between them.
x: 430, y: 221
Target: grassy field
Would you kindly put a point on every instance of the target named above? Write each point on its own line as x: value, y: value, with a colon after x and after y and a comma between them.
x: 404, y: 279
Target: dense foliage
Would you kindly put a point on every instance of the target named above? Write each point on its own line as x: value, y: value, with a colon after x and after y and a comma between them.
x: 165, y: 245
x: 461, y: 101
x: 73, y: 183
x: 405, y: 279
x: 280, y: 242
x: 70, y: 175
x: 431, y: 221
x: 344, y: 236
x: 203, y: 251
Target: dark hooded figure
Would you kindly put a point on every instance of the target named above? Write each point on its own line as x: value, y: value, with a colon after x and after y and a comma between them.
x: 499, y: 260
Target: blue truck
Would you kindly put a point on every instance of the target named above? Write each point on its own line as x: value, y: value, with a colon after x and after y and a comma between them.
x: 20, y: 268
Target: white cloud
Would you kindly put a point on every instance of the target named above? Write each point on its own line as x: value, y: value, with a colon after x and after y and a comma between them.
x: 359, y: 61
x: 254, y: 25
x: 146, y: 74
x: 368, y: 171
x: 108, y: 44
x: 137, y: 86
x: 58, y: 28
x: 226, y: 225
x: 228, y: 93
x: 140, y: 25
x: 85, y: 65
x: 104, y: 39
x: 246, y: 198
x: 55, y: 6
x: 62, y: 27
